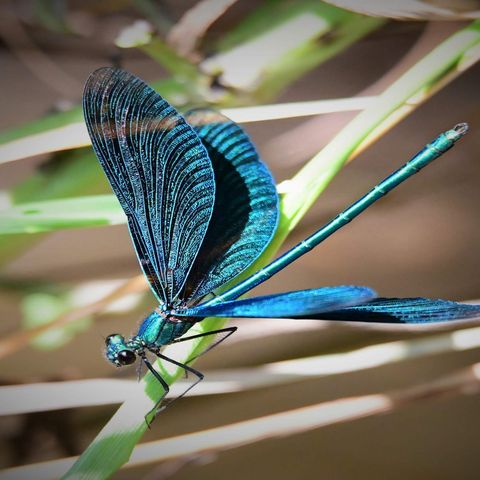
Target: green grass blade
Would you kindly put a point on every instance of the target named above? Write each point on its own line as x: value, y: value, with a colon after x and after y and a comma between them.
x: 71, y: 174
x: 424, y: 75
x: 51, y: 215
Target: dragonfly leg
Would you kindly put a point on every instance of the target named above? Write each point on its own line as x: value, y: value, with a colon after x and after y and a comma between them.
x: 166, y: 388
x: 227, y: 331
x: 157, y: 409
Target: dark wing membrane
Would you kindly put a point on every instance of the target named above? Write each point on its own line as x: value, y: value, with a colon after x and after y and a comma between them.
x: 159, y: 170
x: 245, y: 215
x: 405, y: 310
x: 299, y: 304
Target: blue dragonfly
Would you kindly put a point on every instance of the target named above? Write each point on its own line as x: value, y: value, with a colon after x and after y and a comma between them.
x: 202, y: 207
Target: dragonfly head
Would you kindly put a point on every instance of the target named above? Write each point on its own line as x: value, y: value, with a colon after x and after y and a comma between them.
x: 118, y: 351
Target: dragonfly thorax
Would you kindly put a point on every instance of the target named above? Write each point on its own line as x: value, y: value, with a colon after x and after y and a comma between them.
x: 161, y: 328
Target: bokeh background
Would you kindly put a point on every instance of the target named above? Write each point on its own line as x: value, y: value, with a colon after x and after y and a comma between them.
x: 420, y: 241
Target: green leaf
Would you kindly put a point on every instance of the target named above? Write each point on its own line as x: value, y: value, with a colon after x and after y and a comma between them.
x: 50, y: 215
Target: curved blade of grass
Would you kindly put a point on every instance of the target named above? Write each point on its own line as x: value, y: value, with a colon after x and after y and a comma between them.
x: 423, y: 75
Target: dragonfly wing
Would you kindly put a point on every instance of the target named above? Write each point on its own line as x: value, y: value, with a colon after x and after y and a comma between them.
x: 299, y: 304
x: 159, y: 170
x: 246, y: 210
x: 405, y: 310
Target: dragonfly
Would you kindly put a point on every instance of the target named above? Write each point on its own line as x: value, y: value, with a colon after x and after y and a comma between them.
x: 202, y: 207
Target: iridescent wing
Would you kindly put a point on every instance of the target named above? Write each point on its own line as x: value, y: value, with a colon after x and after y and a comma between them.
x: 159, y: 170
x: 245, y: 215
x: 299, y: 304
x: 405, y: 310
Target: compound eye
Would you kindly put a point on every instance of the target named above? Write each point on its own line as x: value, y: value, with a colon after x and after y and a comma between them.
x: 126, y: 357
x: 109, y: 339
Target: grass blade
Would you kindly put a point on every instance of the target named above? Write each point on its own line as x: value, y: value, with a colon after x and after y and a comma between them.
x: 51, y: 215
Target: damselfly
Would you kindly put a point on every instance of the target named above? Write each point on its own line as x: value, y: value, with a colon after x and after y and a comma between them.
x: 202, y: 207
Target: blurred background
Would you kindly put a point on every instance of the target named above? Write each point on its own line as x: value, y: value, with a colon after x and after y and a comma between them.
x: 420, y: 241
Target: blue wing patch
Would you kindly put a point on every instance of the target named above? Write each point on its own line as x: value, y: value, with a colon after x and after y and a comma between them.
x: 405, y: 310
x: 299, y: 304
x: 246, y: 211
x: 158, y: 169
